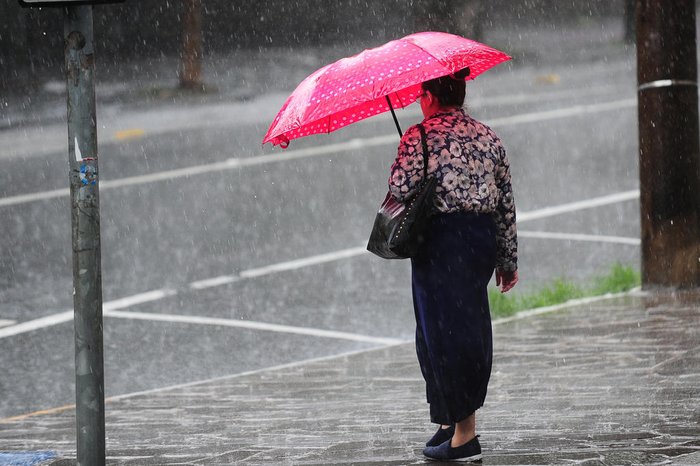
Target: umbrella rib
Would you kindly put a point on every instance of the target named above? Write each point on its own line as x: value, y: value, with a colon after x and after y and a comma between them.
x: 440, y: 62
x: 426, y: 52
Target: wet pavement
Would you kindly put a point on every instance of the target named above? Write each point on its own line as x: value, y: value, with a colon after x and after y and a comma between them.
x: 610, y: 382
x: 165, y: 236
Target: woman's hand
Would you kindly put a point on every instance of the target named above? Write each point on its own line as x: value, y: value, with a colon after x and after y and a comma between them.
x: 506, y: 279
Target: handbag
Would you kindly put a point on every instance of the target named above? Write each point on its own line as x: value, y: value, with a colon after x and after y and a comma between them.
x: 399, y: 227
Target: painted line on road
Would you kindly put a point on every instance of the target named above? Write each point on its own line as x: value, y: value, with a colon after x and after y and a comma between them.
x: 50, y: 139
x: 252, y: 325
x: 36, y: 324
x: 519, y: 98
x: 41, y: 412
x: 263, y: 370
x: 558, y: 307
x: 195, y: 383
x: 305, y: 262
x: 129, y: 134
x: 579, y: 237
x: 538, y: 97
x: 67, y: 316
x: 565, y: 112
x: 277, y: 157
x: 6, y: 322
x: 156, y: 295
x: 579, y: 205
x: 32, y: 197
x: 136, y: 299
x: 518, y: 316
x: 279, y: 267
x: 524, y: 217
x: 213, y: 282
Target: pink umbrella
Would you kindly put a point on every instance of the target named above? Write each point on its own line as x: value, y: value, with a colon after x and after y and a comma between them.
x: 374, y: 81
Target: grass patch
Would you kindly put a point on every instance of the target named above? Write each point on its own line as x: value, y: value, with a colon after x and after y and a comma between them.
x: 620, y: 278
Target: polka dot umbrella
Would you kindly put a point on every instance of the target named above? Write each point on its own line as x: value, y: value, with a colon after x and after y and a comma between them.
x: 374, y: 81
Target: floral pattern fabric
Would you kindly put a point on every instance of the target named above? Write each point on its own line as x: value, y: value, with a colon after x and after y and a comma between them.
x: 473, y: 173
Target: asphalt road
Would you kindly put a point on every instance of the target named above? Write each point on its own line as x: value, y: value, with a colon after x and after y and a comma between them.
x: 219, y: 258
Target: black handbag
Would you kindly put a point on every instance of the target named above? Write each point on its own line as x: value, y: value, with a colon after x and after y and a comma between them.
x: 399, y: 227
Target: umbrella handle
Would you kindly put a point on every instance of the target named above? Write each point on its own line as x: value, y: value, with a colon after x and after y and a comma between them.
x: 396, y: 121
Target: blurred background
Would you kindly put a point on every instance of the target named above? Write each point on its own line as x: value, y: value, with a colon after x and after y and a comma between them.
x: 199, y: 220
x: 143, y: 40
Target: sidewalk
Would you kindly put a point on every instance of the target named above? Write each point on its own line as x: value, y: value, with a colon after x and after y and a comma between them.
x: 616, y: 381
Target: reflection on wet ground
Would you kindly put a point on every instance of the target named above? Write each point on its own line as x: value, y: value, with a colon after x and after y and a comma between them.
x: 615, y: 382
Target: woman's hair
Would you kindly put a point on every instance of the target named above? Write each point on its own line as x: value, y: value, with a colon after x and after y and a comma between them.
x: 449, y: 90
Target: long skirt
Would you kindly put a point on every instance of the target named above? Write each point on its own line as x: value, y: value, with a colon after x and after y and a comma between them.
x: 453, y: 324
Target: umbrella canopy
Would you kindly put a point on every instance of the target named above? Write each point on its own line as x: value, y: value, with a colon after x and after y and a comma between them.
x: 357, y: 87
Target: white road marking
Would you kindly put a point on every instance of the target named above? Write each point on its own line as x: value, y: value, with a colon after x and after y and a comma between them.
x: 579, y: 237
x: 578, y: 205
x: 36, y: 324
x: 212, y: 282
x: 286, y: 156
x: 113, y: 129
x: 155, y: 295
x: 252, y: 325
x: 6, y: 322
x: 562, y: 113
x: 67, y: 316
x: 246, y: 373
x: 557, y: 307
x: 140, y: 298
x: 33, y: 197
x: 298, y: 154
x: 520, y: 315
x: 538, y: 97
x: 305, y: 262
x: 110, y: 308
x: 279, y: 267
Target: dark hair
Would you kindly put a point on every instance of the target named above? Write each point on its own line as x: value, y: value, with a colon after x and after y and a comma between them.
x: 449, y: 90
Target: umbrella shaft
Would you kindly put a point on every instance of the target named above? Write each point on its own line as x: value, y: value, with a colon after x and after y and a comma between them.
x: 396, y: 120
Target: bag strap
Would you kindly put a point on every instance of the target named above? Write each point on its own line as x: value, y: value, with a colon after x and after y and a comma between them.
x: 425, y: 151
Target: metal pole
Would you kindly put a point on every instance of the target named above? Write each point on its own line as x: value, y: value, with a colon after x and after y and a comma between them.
x: 669, y: 148
x: 85, y: 216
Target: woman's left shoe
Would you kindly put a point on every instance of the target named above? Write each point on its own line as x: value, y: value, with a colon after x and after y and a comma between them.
x: 440, y: 436
x: 470, y: 451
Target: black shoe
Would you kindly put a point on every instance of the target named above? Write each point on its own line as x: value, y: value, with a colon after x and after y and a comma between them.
x: 440, y: 436
x: 470, y: 451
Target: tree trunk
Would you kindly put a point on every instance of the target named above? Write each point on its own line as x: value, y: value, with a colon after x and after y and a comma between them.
x: 191, y: 72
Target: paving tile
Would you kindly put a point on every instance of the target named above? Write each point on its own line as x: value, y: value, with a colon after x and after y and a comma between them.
x: 607, y: 383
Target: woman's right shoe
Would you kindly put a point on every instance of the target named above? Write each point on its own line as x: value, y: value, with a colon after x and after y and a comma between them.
x: 470, y: 451
x: 440, y: 436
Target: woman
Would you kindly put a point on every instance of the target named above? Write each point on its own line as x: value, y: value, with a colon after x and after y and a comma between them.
x: 471, y: 233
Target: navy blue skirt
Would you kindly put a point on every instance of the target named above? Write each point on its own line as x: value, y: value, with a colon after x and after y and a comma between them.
x: 453, y: 324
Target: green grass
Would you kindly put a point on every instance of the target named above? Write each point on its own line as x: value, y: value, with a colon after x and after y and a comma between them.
x: 620, y: 278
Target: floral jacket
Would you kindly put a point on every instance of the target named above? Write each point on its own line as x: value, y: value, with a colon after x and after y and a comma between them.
x: 472, y: 169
